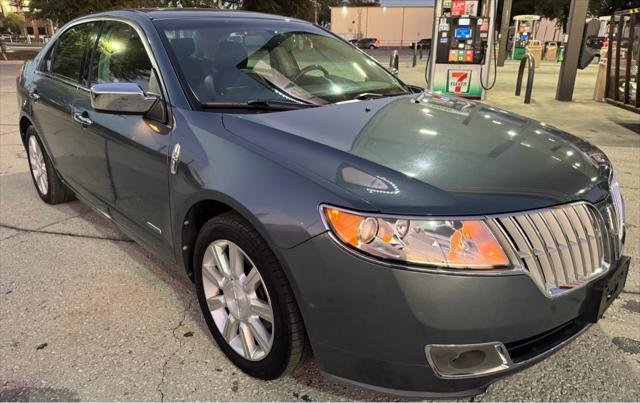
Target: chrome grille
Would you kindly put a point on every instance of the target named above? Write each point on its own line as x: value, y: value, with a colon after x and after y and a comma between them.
x: 561, y: 247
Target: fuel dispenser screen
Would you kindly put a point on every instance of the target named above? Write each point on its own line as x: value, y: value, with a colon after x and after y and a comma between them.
x: 462, y: 40
x: 463, y: 33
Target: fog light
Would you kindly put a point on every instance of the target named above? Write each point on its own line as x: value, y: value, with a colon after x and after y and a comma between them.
x: 467, y: 360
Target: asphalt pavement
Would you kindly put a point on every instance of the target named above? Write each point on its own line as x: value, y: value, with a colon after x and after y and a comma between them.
x: 86, y: 314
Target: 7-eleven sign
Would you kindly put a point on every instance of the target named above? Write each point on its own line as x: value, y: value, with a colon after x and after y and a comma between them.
x: 458, y: 81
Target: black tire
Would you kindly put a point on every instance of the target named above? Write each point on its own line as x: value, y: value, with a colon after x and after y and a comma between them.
x: 372, y: 46
x: 57, y: 191
x: 289, y: 340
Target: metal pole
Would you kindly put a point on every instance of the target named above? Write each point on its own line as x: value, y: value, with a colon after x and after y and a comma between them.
x: 490, y: 11
x: 437, y: 12
x: 569, y: 67
x: 531, y: 66
x: 415, y: 55
x: 516, y: 36
x: 504, y: 31
x: 315, y: 11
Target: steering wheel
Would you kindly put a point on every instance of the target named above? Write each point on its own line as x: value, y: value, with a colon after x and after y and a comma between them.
x: 309, y: 68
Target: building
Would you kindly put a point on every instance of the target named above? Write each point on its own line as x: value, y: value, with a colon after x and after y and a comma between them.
x: 394, y: 22
x: 33, y: 28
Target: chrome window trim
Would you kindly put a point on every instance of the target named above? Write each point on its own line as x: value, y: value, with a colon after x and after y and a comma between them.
x: 515, y: 269
x: 143, y: 38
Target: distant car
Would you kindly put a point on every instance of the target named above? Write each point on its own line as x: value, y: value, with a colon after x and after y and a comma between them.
x: 425, y: 43
x: 353, y: 41
x: 368, y: 43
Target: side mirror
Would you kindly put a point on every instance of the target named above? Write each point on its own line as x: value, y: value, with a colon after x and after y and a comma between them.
x: 121, y: 98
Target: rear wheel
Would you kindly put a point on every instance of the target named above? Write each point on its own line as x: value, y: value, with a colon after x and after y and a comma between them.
x: 246, y: 299
x: 45, y: 177
x: 372, y: 46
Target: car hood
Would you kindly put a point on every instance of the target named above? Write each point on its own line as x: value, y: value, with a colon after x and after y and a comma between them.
x: 432, y: 155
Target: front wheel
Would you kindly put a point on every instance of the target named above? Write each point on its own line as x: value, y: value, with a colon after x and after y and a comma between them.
x: 372, y: 46
x: 246, y: 299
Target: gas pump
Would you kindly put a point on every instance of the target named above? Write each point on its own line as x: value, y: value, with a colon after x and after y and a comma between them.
x: 525, y: 29
x: 463, y: 40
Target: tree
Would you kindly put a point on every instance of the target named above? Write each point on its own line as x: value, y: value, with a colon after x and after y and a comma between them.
x: 61, y: 11
x: 324, y: 10
x: 291, y: 8
x: 13, y: 23
x: 559, y: 9
x: 19, y: 4
x: 608, y: 7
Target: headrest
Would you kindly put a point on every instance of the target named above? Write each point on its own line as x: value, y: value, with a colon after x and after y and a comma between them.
x: 230, y: 55
x: 183, y: 47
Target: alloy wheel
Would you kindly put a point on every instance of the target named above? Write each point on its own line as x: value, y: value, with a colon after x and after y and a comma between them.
x: 38, y: 166
x: 238, y: 300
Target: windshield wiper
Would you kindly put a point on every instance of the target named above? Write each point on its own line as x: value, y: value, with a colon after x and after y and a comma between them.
x: 368, y: 95
x: 283, y: 92
x: 262, y: 104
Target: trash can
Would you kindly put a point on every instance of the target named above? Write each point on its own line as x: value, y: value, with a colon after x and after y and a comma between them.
x: 518, y: 53
x: 601, y: 79
x: 551, y: 53
x: 535, y: 48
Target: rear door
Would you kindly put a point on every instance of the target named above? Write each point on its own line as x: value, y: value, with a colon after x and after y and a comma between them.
x: 136, y: 147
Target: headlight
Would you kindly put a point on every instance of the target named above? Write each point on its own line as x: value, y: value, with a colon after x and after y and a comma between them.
x: 618, y: 203
x: 456, y: 244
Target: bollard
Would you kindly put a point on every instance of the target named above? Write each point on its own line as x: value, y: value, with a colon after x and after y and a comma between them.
x: 394, y: 62
x: 427, y: 74
x: 529, y: 61
x: 415, y: 56
x: 420, y: 51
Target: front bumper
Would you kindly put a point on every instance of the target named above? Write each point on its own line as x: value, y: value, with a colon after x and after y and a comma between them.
x: 369, y: 322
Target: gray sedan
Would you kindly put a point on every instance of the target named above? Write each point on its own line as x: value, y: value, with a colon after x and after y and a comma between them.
x: 415, y: 243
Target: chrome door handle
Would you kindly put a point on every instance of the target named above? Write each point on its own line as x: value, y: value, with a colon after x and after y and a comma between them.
x: 34, y: 96
x: 83, y: 120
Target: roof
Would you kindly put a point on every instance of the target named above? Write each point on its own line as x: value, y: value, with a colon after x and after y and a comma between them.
x: 162, y: 13
x: 156, y: 13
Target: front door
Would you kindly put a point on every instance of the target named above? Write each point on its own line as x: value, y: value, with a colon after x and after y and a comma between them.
x: 137, y: 147
x: 79, y: 158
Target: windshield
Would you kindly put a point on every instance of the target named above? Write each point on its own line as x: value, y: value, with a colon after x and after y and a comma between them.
x: 238, y: 60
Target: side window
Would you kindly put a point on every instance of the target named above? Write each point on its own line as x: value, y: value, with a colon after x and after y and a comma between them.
x: 45, y: 64
x: 70, y: 51
x: 121, y: 58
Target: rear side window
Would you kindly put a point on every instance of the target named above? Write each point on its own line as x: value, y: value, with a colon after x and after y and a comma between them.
x: 70, y: 51
x: 122, y: 58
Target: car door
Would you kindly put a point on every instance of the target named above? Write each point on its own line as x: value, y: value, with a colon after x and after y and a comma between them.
x: 137, y: 147
x: 78, y: 157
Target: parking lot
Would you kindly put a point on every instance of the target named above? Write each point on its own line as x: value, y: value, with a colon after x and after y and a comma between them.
x: 86, y: 314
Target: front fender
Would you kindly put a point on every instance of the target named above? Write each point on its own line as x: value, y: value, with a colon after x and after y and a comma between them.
x: 280, y: 202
